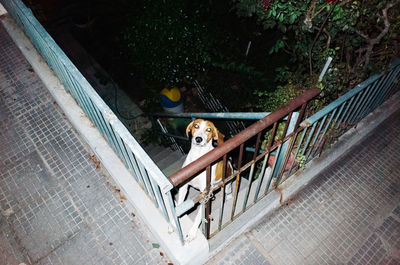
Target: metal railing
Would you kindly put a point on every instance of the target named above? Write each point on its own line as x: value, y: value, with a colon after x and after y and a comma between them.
x: 143, y: 169
x: 299, y: 146
x: 325, y: 126
x: 251, y: 177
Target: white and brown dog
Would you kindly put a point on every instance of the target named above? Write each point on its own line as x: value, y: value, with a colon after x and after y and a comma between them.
x: 203, y: 133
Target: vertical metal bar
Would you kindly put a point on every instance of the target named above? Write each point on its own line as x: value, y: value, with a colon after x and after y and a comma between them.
x: 175, y: 217
x: 349, y: 102
x: 138, y: 172
x: 287, y: 124
x: 393, y: 75
x: 354, y: 103
x: 221, y: 212
x: 388, y: 76
x: 269, y: 179
x: 285, y: 160
x: 112, y: 139
x: 359, y: 105
x: 119, y: 145
x: 97, y: 120
x: 338, y: 115
x: 390, y: 90
x: 208, y: 203
x: 364, y: 99
x: 129, y: 160
x: 246, y: 197
x: 237, y: 180
x: 261, y: 176
x: 392, y: 87
x: 326, y: 128
x: 150, y: 187
x: 143, y: 176
x: 316, y: 137
x: 105, y: 127
x: 309, y: 138
x: 300, y: 116
x: 297, y: 150
x: 257, y: 148
x: 372, y: 97
x: 289, y: 128
x: 162, y: 202
x: 370, y: 93
x: 265, y: 163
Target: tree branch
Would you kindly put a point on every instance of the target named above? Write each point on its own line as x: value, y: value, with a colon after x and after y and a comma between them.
x: 310, y: 14
x: 371, y: 42
x: 316, y: 38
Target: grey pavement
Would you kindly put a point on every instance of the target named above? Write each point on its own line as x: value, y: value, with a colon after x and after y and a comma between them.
x: 57, y: 205
x: 349, y: 215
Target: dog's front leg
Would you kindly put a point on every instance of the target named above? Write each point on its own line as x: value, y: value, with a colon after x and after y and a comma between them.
x: 196, y: 223
x: 182, y: 193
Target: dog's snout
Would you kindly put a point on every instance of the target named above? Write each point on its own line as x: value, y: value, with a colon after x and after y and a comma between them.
x: 198, y: 139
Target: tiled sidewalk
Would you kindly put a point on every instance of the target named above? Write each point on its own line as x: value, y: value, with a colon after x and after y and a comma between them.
x: 56, y: 206
x: 349, y: 215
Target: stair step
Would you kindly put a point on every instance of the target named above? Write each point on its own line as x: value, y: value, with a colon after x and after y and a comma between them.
x: 168, y: 171
x: 152, y: 150
x: 168, y: 160
x: 165, y: 152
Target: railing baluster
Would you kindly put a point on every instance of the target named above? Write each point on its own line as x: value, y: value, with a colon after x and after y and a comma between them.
x: 353, y: 117
x: 257, y: 148
x: 138, y: 172
x: 316, y: 136
x: 221, y: 211
x: 342, y: 119
x: 174, y: 215
x: 267, y: 155
x: 297, y: 150
x: 309, y: 138
x: 382, y: 89
x: 149, y: 186
x: 389, y: 91
x: 285, y: 159
x: 271, y: 176
x: 208, y: 203
x: 393, y: 73
x: 369, y: 95
x: 351, y: 107
x: 327, y: 126
x: 237, y: 182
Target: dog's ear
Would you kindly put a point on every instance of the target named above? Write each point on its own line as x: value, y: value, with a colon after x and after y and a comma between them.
x: 189, y: 128
x: 218, y: 136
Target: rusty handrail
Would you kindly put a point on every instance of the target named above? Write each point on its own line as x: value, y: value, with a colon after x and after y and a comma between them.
x: 196, y: 166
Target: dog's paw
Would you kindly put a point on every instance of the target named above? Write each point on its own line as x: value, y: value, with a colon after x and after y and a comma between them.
x: 190, y: 236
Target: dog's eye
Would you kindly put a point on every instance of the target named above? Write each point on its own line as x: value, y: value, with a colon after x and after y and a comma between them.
x: 208, y: 129
x: 196, y: 126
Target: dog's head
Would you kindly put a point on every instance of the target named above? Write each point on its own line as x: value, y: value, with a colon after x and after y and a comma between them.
x: 203, y: 132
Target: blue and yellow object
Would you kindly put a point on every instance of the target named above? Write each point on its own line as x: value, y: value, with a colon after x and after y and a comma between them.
x: 171, y: 99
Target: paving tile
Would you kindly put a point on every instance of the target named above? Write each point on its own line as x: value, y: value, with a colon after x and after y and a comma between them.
x: 242, y: 252
x: 56, y: 205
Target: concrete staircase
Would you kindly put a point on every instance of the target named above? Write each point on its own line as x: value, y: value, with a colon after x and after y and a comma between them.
x: 168, y: 160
